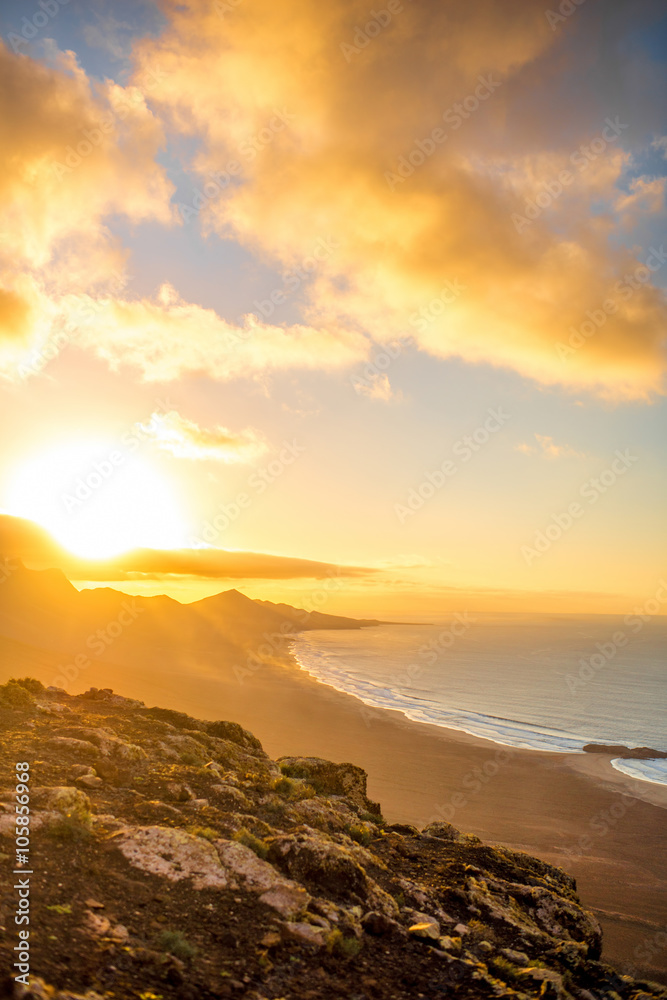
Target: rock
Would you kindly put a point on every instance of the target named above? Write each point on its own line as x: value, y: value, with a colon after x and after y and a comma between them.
x: 235, y: 733
x: 271, y: 939
x: 328, y: 814
x: 78, y: 770
x: 545, y: 976
x: 326, y: 909
x: 92, y: 904
x: 174, y: 855
x: 379, y: 924
x: 198, y: 804
x: 228, y: 797
x: 461, y: 929
x: 304, y: 934
x: 518, y: 957
x: 89, y: 781
x: 404, y: 829
x: 97, y: 925
x: 443, y: 831
x: 319, y: 862
x: 331, y: 779
x: 155, y: 812
x: 627, y: 753
x: 68, y: 743
x: 448, y: 943
x: 286, y: 900
x: 103, y: 740
x: 428, y: 931
x: 178, y: 791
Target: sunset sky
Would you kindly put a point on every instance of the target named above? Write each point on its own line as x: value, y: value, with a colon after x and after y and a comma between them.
x: 379, y: 288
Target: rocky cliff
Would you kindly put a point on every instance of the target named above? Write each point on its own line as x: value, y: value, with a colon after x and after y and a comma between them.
x: 171, y: 858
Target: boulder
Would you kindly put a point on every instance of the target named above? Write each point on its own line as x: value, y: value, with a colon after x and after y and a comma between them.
x: 327, y: 778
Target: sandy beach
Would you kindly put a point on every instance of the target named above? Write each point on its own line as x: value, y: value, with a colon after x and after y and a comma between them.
x: 573, y: 810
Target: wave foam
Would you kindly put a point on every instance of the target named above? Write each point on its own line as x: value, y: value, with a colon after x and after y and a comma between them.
x: 508, y: 732
x: 644, y: 770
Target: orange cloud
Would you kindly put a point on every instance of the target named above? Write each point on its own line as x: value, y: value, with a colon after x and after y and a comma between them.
x: 184, y: 438
x: 386, y: 137
x: 21, y: 539
x: 71, y: 153
x: 167, y: 337
x: 547, y: 446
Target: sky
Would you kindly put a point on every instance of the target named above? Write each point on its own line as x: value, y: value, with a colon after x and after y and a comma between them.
x: 361, y: 308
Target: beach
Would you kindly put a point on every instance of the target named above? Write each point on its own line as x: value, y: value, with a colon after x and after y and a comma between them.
x: 573, y: 810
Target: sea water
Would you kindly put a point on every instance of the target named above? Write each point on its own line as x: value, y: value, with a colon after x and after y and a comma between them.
x: 541, y: 682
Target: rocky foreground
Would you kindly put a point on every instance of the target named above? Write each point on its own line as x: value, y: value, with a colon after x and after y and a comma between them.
x: 171, y: 858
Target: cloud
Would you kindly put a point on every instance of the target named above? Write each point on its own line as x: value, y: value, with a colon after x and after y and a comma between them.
x: 183, y: 438
x: 27, y: 541
x: 167, y: 337
x: 415, y: 149
x: 548, y: 447
x: 15, y: 317
x: 72, y: 153
x: 377, y: 386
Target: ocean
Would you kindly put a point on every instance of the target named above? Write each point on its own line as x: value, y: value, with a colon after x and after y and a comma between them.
x: 541, y: 682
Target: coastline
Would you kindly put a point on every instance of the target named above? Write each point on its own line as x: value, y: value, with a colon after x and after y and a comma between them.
x: 485, y: 739
x: 572, y: 810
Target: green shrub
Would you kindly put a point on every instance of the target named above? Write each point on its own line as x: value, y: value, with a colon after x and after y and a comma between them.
x: 345, y: 947
x: 481, y: 932
x: 75, y: 821
x: 15, y: 695
x: 296, y: 791
x: 207, y: 832
x: 504, y: 969
x: 176, y: 943
x: 249, y: 839
x: 361, y: 834
x: 30, y: 684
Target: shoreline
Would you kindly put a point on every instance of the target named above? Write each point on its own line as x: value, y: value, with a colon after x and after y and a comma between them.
x: 572, y: 810
x: 607, y: 772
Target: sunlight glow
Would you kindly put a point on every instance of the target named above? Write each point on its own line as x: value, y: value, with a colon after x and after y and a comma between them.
x: 97, y: 501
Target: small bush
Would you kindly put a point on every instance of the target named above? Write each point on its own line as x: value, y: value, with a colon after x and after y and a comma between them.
x: 31, y: 684
x: 481, y: 932
x: 372, y: 818
x: 504, y: 969
x: 68, y: 828
x: 345, y: 947
x: 15, y: 695
x: 296, y: 791
x: 191, y: 759
x: 75, y: 821
x: 176, y: 943
x: 361, y: 834
x: 207, y: 832
x: 60, y: 909
x: 249, y: 839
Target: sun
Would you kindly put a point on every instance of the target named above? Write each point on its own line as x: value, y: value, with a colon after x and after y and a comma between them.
x: 96, y: 500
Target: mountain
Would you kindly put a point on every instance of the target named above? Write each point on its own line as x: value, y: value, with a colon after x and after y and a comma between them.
x: 317, y: 620
x: 44, y: 620
x: 172, y: 858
